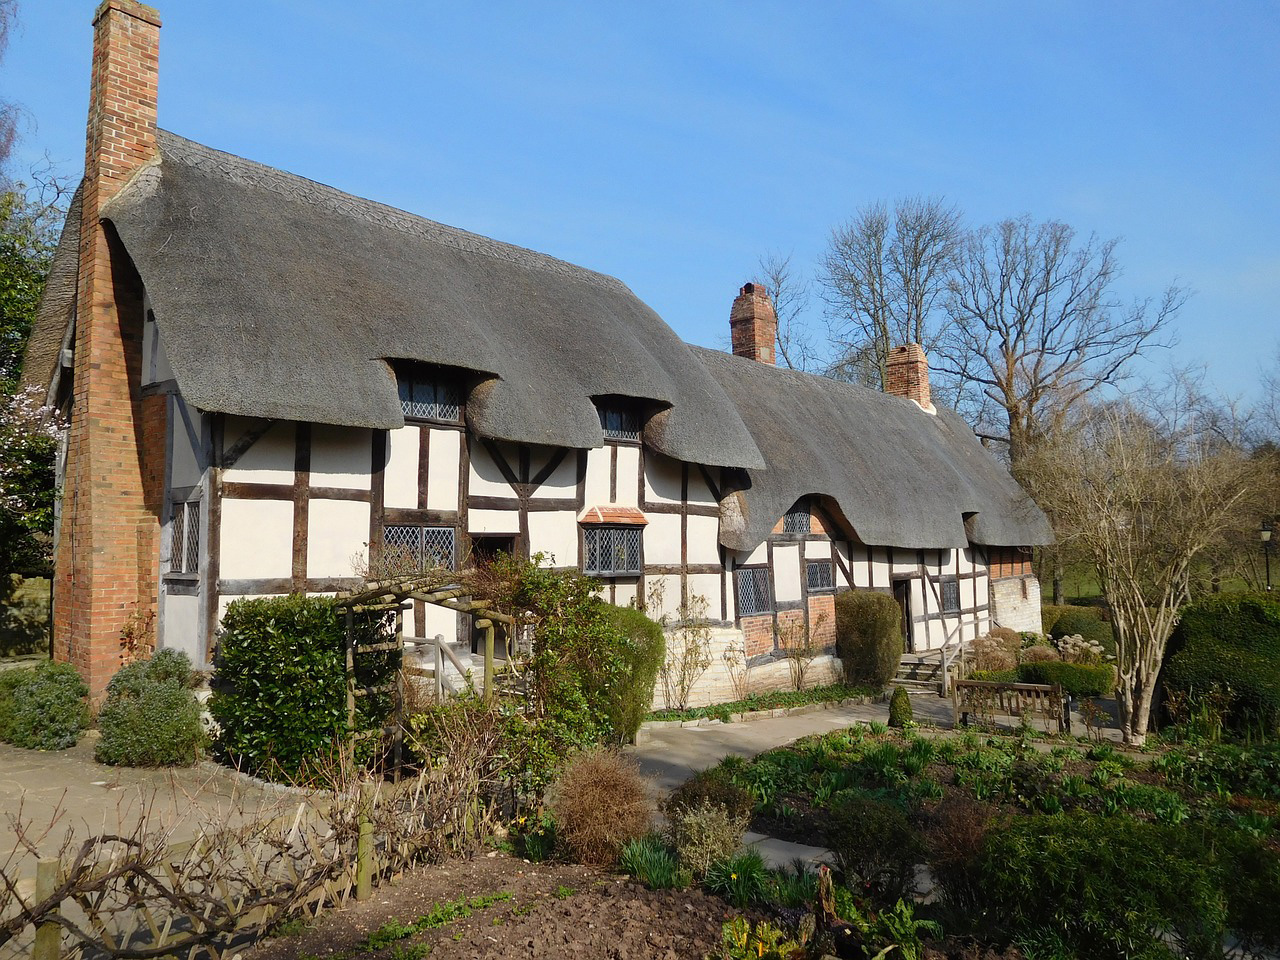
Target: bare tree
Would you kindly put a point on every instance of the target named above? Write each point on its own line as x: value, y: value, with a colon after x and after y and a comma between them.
x: 883, y: 277
x: 9, y: 111
x: 790, y: 294
x: 1036, y: 327
x: 1141, y: 506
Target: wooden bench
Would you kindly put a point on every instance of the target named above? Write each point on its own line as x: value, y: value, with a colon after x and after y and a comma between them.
x: 987, y: 699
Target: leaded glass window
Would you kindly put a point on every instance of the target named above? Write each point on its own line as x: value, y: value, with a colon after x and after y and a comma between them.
x: 427, y: 399
x: 611, y: 551
x: 950, y: 596
x: 753, y: 591
x: 820, y: 575
x: 796, y: 520
x: 409, y: 548
x: 184, y: 537
x: 619, y: 424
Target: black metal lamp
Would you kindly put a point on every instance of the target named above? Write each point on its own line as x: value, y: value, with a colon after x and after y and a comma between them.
x: 1264, y: 534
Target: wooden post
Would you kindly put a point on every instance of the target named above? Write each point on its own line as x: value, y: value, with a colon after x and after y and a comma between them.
x: 48, y: 944
x: 439, y: 679
x: 397, y: 747
x: 364, y: 847
x: 488, y: 659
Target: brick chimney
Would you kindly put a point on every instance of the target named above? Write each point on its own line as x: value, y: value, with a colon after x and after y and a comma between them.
x: 753, y: 324
x: 107, y: 561
x: 907, y: 375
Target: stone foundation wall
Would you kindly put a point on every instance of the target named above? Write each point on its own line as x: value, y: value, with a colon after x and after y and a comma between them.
x: 1015, y: 602
x: 729, y: 677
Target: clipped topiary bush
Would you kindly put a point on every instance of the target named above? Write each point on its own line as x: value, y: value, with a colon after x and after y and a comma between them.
x: 868, y: 636
x: 900, y: 713
x: 150, y: 717
x: 279, y: 684
x: 629, y: 696
x: 1077, y: 679
x: 43, y: 708
x: 1085, y: 622
x: 1231, y: 641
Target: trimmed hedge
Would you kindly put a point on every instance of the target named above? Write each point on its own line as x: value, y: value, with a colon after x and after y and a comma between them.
x: 150, y: 717
x: 629, y: 697
x: 868, y: 636
x: 1230, y: 640
x: 1077, y: 679
x: 43, y: 708
x: 279, y: 684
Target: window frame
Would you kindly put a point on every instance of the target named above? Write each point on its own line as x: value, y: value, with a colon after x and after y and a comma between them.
x: 759, y: 572
x: 830, y: 586
x: 421, y: 548
x: 603, y: 529
x: 944, y: 586
x: 445, y: 392
x: 791, y: 519
x: 185, y: 519
x: 624, y: 431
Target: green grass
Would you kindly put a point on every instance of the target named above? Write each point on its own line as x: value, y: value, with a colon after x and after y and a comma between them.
x: 24, y: 617
x: 768, y: 701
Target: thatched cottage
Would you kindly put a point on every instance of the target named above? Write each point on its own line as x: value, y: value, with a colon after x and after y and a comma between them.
x: 271, y: 384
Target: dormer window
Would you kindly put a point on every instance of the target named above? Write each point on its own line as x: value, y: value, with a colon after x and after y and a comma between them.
x: 424, y: 397
x: 796, y: 520
x: 619, y: 424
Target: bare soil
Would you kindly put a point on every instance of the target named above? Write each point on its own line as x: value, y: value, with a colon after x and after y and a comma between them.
x: 555, y: 910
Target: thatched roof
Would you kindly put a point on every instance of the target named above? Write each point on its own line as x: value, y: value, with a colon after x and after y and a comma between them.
x: 57, y: 309
x: 279, y: 297
x: 899, y: 476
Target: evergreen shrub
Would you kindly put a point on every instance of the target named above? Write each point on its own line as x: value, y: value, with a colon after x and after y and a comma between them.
x: 874, y: 845
x: 279, y: 684
x: 641, y: 647
x: 1231, y: 641
x: 44, y: 707
x: 1077, y: 679
x: 900, y: 713
x: 150, y: 717
x: 710, y: 786
x: 868, y: 636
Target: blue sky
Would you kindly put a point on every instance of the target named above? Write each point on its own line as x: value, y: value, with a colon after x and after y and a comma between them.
x: 670, y: 144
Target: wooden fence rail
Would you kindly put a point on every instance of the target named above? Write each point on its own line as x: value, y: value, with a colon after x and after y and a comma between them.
x: 986, y: 699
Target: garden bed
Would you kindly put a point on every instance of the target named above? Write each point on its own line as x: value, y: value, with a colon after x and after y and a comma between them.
x: 772, y: 703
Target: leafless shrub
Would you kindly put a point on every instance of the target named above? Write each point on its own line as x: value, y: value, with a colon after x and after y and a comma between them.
x: 993, y: 651
x: 1039, y: 654
x: 599, y: 803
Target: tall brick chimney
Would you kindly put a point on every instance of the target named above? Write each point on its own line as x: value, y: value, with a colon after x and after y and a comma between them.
x: 107, y: 560
x: 753, y: 324
x: 907, y: 374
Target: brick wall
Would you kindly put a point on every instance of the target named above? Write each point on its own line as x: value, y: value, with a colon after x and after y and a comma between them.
x: 907, y: 374
x: 753, y: 324
x: 758, y: 634
x: 106, y: 567
x: 822, y: 621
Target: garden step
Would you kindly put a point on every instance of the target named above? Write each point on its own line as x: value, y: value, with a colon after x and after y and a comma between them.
x: 917, y: 686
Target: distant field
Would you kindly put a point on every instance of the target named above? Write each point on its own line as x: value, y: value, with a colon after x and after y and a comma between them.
x: 24, y: 617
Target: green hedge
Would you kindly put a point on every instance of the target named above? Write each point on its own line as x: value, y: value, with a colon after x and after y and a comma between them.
x: 279, y: 684
x: 1064, y: 621
x: 1076, y: 679
x: 1230, y: 640
x: 150, y: 717
x: 868, y: 636
x: 43, y: 708
x: 630, y: 694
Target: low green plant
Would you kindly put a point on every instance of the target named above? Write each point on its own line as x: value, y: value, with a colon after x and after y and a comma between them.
x: 743, y: 940
x: 900, y: 713
x: 878, y: 728
x: 868, y: 636
x: 874, y: 846
x: 649, y: 860
x: 150, y: 717
x: 534, y: 837
x: 769, y: 700
x: 705, y: 834
x: 742, y: 880
x: 714, y: 785
x: 43, y: 708
x: 794, y: 888
x: 640, y: 651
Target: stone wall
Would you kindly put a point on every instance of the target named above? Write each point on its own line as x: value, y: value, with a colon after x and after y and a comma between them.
x: 1015, y: 602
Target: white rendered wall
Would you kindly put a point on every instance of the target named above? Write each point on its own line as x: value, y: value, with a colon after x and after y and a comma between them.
x: 256, y: 539
x: 182, y: 625
x: 493, y: 521
x: 597, y: 481
x: 341, y: 457
x: 786, y: 573
x: 337, y: 534
x: 628, y: 476
x: 661, y: 478
x: 269, y: 460
x: 486, y: 478
x: 187, y: 459
x: 555, y: 533
x: 563, y: 481
x: 704, y: 539
x: 400, y: 477
x: 444, y: 455
x: 662, y: 539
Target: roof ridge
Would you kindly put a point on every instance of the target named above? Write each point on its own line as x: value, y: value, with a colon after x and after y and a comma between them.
x: 296, y: 187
